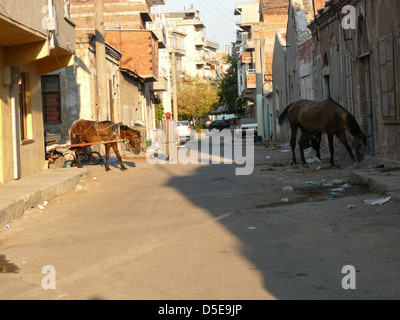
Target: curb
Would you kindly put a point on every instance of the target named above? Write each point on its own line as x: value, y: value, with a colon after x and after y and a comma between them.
x: 377, y: 183
x: 24, y: 194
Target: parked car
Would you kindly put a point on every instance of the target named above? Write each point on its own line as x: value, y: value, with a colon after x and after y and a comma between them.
x: 246, y: 127
x: 185, y: 131
x: 215, y: 125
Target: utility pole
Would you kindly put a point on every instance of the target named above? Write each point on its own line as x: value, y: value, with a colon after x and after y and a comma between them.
x: 102, y: 113
x: 259, y: 82
x: 174, y: 86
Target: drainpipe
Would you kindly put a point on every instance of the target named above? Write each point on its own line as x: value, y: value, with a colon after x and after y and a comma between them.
x: 51, y: 24
x: 15, y: 134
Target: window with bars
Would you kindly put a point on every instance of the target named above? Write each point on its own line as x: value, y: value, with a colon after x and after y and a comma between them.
x: 51, y: 99
x: 387, y: 77
x: 349, y: 84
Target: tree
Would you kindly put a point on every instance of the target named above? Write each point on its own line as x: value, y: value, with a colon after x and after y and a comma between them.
x: 228, y: 87
x: 159, y: 109
x: 196, y: 98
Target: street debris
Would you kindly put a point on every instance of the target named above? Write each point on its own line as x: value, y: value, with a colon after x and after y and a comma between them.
x: 8, y: 226
x: 377, y: 202
x: 313, y: 160
x: 285, y: 200
x: 351, y: 206
x: 322, y: 184
x: 288, y: 189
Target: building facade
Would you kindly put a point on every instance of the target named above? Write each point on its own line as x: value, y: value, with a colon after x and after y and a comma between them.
x: 30, y: 46
x: 356, y: 63
x: 350, y: 57
x: 125, y: 24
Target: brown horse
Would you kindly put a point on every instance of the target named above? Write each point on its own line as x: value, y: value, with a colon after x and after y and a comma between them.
x: 315, y: 118
x: 85, y: 131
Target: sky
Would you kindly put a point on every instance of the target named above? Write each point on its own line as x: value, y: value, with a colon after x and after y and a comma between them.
x: 216, y: 15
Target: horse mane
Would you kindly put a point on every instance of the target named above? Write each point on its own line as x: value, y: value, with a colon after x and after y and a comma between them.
x: 352, y: 122
x: 124, y: 127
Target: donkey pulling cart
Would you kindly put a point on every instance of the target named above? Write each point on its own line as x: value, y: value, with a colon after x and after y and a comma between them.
x: 85, y: 134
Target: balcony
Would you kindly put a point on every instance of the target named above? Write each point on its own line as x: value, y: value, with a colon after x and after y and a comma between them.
x: 155, y: 2
x: 161, y: 84
x: 251, y: 79
x: 199, y: 41
x: 247, y: 58
x: 250, y: 44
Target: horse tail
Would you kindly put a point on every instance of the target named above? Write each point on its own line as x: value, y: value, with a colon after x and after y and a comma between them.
x: 284, y: 115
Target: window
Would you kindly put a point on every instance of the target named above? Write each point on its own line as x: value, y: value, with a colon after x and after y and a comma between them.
x: 306, y: 88
x: 363, y: 41
x: 24, y: 112
x: 51, y: 101
x: 387, y: 76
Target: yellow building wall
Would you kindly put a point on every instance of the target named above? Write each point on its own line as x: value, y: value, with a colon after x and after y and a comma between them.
x: 33, y: 152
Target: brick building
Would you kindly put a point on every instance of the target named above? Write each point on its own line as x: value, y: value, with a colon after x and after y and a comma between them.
x: 350, y: 57
x: 260, y: 22
x: 356, y: 54
x: 125, y: 25
x: 293, y: 54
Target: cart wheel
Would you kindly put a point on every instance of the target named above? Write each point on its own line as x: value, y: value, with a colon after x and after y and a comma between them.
x: 69, y: 158
x: 94, y: 158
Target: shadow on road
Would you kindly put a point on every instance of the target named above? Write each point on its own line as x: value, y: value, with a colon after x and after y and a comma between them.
x: 299, y: 248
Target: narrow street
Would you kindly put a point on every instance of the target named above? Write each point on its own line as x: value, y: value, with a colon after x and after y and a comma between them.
x: 201, y: 232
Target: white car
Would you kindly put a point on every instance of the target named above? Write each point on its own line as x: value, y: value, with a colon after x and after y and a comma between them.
x: 245, y: 127
x: 185, y: 131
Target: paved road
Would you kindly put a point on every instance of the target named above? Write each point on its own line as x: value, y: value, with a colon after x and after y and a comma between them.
x: 201, y: 232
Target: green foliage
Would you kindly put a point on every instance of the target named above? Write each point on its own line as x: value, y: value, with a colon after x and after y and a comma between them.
x: 159, y: 110
x: 228, y: 88
x: 196, y: 98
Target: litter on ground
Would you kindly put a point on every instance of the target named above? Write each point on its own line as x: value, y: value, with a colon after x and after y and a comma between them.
x: 377, y: 202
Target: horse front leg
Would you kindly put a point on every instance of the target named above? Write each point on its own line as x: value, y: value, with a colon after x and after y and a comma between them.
x: 343, y: 139
x: 317, y: 147
x: 107, y: 146
x: 116, y: 151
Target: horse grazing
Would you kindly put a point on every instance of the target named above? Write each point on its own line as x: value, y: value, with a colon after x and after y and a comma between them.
x: 315, y: 118
x: 85, y: 131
